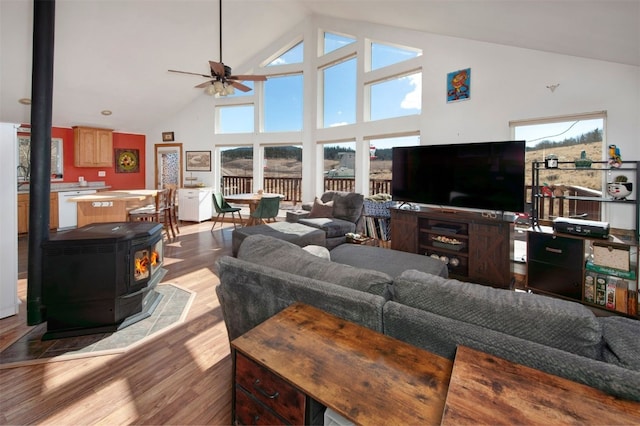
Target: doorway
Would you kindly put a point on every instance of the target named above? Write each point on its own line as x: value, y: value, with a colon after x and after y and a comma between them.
x: 168, y: 165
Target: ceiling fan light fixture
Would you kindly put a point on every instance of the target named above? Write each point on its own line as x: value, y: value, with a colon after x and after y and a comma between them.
x: 210, y: 90
x: 218, y: 86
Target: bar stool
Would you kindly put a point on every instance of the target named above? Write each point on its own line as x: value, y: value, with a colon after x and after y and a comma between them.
x: 158, y: 212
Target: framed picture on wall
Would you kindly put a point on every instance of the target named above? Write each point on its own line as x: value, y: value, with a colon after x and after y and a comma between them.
x: 167, y: 136
x: 198, y: 161
x: 127, y: 160
x: 459, y: 85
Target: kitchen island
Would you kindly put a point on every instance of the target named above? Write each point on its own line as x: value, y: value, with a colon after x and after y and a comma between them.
x: 111, y: 206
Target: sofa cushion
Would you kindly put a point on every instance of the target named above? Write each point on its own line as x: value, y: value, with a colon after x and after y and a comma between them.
x: 553, y: 322
x: 250, y: 294
x: 287, y: 257
x: 391, y: 262
x: 320, y: 209
x: 333, y: 227
x: 441, y: 335
x: 622, y: 341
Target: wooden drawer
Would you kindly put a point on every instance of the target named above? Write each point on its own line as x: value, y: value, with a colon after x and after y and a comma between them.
x: 554, y: 250
x: 272, y: 391
x: 251, y: 412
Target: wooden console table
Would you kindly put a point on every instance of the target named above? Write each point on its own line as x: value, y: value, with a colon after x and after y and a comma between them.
x: 485, y: 389
x: 367, y: 377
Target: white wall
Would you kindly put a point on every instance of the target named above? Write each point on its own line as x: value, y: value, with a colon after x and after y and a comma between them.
x: 507, y: 83
x: 9, y: 224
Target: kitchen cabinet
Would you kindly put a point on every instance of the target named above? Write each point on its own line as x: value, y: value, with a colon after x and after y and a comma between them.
x: 23, y: 212
x: 93, y: 147
x: 195, y: 204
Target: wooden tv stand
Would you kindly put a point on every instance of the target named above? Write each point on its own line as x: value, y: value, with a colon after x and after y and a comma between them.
x: 477, y: 247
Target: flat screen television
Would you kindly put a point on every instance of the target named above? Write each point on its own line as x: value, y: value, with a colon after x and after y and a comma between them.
x: 483, y: 175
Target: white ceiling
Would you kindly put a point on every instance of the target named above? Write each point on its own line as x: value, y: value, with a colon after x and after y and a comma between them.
x: 115, y: 54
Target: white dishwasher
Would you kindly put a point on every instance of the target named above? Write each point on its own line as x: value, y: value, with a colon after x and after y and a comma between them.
x: 68, y: 210
x: 195, y: 204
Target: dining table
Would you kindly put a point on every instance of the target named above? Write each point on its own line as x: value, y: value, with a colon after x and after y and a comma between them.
x: 252, y: 199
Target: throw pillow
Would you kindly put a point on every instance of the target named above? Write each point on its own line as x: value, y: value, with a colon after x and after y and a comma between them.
x: 347, y: 205
x: 319, y: 251
x: 321, y: 209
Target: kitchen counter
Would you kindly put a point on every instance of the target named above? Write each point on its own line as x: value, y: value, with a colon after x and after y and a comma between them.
x: 111, y: 206
x: 132, y: 194
x: 61, y: 187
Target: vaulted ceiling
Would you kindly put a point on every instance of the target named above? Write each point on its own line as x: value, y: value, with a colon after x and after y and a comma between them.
x: 114, y: 55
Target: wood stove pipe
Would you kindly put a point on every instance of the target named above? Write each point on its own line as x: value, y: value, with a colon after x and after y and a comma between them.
x: 40, y: 188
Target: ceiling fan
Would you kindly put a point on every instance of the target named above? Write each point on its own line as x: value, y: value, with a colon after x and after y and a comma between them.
x: 222, y: 82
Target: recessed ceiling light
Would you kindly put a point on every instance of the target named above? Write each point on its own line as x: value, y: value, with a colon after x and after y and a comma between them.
x: 106, y: 112
x: 25, y: 101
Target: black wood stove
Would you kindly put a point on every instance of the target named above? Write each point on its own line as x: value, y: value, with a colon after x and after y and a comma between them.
x: 101, y: 277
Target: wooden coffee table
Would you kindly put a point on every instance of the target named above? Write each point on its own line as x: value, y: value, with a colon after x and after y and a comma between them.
x: 485, y: 389
x: 365, y: 376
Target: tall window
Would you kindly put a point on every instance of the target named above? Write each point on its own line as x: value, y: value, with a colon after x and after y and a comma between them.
x: 396, y: 97
x: 283, y: 103
x: 566, y: 138
x: 339, y: 83
x: 283, y: 171
x: 235, y: 119
x: 380, y: 150
x: 340, y: 166
x: 237, y: 169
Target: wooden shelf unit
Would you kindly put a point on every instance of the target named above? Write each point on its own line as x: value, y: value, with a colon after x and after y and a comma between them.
x: 557, y: 262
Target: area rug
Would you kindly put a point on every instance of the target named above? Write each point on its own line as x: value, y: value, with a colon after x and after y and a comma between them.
x: 31, y: 349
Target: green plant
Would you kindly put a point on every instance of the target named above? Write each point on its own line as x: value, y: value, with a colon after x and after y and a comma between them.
x: 620, y: 179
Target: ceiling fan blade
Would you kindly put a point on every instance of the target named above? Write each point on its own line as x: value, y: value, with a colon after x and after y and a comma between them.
x: 248, y: 77
x: 191, y: 73
x: 240, y: 86
x: 205, y: 84
x: 217, y: 68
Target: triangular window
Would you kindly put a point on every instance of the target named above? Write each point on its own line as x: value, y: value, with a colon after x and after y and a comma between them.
x: 335, y: 41
x: 295, y: 55
x: 383, y: 55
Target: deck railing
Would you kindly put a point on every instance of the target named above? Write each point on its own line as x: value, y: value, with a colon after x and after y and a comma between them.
x: 291, y: 188
x: 565, y: 206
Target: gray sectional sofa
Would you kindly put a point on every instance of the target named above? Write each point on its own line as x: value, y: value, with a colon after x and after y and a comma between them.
x: 346, y: 216
x: 409, y: 297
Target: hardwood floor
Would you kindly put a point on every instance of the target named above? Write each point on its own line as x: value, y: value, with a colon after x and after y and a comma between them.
x: 181, y: 377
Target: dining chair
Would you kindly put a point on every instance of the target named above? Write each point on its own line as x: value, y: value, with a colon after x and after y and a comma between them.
x: 222, y: 208
x: 157, y: 212
x: 173, y: 206
x: 266, y: 210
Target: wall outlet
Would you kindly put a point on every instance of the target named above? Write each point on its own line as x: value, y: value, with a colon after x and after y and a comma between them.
x: 102, y: 173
